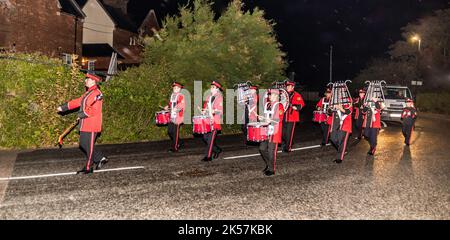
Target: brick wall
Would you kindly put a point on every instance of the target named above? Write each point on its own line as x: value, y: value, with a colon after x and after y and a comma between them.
x: 38, y: 26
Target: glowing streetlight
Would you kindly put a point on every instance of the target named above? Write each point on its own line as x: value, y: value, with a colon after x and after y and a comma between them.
x: 416, y: 38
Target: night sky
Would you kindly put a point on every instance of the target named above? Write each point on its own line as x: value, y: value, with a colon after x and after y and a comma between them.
x: 359, y: 30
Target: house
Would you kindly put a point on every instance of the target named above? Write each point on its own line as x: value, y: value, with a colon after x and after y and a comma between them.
x: 51, y: 27
x: 107, y: 28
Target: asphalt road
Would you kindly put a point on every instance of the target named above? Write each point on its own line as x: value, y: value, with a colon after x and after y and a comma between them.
x: 397, y: 183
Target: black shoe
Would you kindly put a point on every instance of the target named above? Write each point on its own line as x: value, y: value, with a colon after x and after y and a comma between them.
x: 216, y: 154
x: 206, y: 159
x: 323, y: 145
x: 265, y: 169
x: 101, y: 163
x: 338, y: 161
x: 269, y: 173
x: 180, y: 145
x: 172, y: 150
x: 370, y: 153
x: 286, y: 150
x: 84, y: 171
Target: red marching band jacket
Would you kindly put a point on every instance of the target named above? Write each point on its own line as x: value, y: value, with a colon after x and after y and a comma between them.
x: 346, y: 124
x: 295, y: 100
x: 322, y: 105
x: 372, y: 118
x: 409, y: 113
x: 177, y: 106
x: 275, y: 112
x: 214, y: 106
x: 90, y: 113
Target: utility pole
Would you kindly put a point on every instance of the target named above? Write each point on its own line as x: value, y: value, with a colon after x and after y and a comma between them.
x: 331, y: 63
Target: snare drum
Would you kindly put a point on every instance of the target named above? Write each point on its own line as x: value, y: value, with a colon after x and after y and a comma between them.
x: 257, y: 132
x: 319, y: 117
x: 202, y: 124
x: 162, y: 118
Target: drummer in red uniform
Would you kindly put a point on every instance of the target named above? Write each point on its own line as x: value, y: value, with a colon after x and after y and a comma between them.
x: 176, y: 106
x: 251, y: 109
x: 358, y: 114
x: 409, y: 116
x: 372, y: 122
x: 273, y: 116
x: 340, y: 121
x: 90, y: 122
x: 291, y: 117
x: 322, y: 106
x: 213, y: 107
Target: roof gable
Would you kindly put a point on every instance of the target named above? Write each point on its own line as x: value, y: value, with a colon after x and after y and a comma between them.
x: 71, y: 7
x: 149, y: 22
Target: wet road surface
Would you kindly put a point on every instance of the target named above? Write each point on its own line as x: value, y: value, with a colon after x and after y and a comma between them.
x: 397, y: 183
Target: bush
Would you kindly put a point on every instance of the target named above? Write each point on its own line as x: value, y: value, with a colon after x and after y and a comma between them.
x: 434, y: 102
x: 31, y: 88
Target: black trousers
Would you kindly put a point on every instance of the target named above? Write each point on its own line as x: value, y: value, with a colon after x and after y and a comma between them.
x: 407, y: 130
x: 244, y: 131
x: 246, y: 121
x: 87, y: 145
x: 210, y: 140
x: 268, y: 151
x: 324, y: 128
x: 358, y: 126
x: 174, y: 134
x: 339, y: 139
x: 372, y: 136
x: 288, y: 135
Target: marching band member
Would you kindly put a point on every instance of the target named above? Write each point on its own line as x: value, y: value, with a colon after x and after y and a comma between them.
x: 213, y: 106
x: 409, y: 116
x: 322, y: 105
x: 176, y: 105
x: 250, y: 111
x: 292, y: 116
x: 340, y: 122
x: 90, y: 122
x: 372, y: 122
x: 357, y: 113
x: 273, y: 116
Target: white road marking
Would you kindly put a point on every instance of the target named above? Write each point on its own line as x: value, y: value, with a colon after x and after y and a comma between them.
x: 69, y: 173
x: 293, y: 150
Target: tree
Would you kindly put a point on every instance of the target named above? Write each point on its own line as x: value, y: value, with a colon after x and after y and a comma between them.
x: 238, y: 46
x: 407, y: 62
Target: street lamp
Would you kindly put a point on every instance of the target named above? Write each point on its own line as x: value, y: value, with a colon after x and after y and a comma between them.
x: 416, y: 38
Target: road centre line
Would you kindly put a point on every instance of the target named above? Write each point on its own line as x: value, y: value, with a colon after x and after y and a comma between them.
x: 254, y: 155
x: 69, y: 173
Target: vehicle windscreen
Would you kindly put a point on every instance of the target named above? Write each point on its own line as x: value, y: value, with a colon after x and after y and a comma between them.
x: 396, y: 93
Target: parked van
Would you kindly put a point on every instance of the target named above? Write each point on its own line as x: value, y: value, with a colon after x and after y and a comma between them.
x: 395, y: 100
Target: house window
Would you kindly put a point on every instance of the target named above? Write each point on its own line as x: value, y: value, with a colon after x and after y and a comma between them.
x: 132, y: 41
x: 91, y: 65
x: 67, y: 59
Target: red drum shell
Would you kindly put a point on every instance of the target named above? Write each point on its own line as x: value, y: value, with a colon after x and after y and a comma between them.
x: 202, y: 124
x: 162, y: 118
x: 257, y: 132
x: 319, y: 116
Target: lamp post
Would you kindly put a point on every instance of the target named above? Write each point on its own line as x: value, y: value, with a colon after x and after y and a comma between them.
x: 416, y: 38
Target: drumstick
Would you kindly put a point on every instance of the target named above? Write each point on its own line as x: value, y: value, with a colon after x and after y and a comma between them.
x: 266, y: 118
